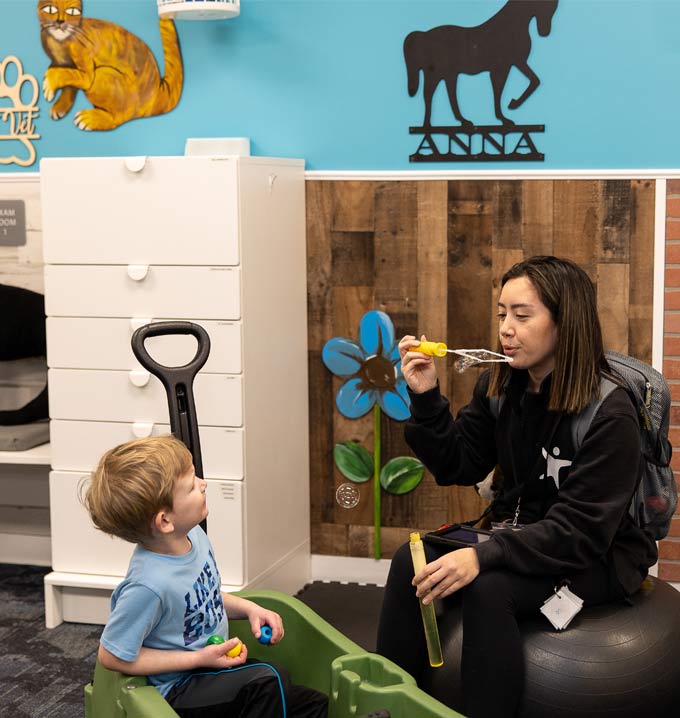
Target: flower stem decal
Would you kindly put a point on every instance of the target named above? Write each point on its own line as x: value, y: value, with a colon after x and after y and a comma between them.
x: 372, y: 370
x: 376, y: 481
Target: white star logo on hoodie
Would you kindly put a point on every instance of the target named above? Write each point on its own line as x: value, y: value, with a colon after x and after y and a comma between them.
x: 553, y: 465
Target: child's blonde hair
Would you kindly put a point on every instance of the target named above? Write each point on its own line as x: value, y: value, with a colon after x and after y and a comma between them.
x: 132, y: 483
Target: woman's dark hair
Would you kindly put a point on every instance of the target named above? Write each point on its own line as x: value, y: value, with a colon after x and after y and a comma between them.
x: 569, y: 295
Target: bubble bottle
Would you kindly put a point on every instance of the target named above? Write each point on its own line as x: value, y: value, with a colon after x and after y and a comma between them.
x: 434, y: 649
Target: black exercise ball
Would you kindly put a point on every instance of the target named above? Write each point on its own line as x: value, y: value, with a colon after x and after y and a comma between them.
x: 614, y: 661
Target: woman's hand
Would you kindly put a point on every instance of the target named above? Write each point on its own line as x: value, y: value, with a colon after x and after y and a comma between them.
x: 447, y: 574
x: 418, y: 368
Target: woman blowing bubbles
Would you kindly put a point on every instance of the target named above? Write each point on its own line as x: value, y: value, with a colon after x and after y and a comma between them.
x: 572, y: 504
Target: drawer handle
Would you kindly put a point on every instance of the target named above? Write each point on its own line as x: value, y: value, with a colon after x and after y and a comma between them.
x: 136, y: 322
x: 142, y: 429
x: 135, y: 164
x: 139, y: 378
x: 137, y: 271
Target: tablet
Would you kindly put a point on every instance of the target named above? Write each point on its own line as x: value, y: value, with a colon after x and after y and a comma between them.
x: 457, y: 536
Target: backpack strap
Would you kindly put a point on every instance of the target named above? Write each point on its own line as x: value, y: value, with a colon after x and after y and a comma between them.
x: 582, y: 421
x: 495, y: 405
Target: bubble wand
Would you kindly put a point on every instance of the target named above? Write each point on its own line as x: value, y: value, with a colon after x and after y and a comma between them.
x: 467, y: 357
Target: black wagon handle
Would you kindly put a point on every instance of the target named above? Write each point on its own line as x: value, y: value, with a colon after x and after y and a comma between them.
x: 177, y: 380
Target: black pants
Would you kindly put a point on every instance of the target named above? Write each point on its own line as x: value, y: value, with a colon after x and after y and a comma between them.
x: 253, y: 690
x: 492, y: 666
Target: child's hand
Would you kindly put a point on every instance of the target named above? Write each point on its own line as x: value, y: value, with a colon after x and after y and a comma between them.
x: 215, y: 655
x: 261, y: 616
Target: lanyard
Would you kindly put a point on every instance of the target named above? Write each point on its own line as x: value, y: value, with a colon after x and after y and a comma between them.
x: 519, y: 487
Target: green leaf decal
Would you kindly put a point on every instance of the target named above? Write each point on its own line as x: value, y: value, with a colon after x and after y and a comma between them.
x: 353, y: 461
x: 401, y: 475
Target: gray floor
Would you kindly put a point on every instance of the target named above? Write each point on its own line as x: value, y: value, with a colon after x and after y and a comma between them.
x: 352, y: 608
x: 42, y: 672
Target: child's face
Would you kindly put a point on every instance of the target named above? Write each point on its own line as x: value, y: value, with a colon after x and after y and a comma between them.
x: 189, y: 506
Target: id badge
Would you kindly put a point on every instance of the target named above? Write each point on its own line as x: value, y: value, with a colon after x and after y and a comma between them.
x: 506, y: 525
x: 561, y: 607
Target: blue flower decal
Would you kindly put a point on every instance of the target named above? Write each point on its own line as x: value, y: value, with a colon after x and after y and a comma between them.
x: 372, y: 367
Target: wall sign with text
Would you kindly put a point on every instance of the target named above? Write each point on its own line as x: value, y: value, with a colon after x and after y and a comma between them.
x: 12, y: 223
x: 19, y: 94
x: 496, y: 46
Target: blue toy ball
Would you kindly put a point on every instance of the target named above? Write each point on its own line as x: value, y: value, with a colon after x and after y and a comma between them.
x: 265, y: 635
x: 613, y: 660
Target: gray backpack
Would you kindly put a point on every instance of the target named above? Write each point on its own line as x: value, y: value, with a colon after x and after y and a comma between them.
x: 656, y: 495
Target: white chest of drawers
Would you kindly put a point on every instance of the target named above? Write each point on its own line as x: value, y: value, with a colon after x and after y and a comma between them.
x: 218, y: 241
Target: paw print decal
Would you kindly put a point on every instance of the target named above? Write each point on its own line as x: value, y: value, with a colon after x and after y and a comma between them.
x: 17, y: 117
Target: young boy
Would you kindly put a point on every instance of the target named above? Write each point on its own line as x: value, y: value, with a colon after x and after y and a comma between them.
x: 170, y: 602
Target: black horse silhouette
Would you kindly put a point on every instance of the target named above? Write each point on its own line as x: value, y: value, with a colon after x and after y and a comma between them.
x: 444, y: 52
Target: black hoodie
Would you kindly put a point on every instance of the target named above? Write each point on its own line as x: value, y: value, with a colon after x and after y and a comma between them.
x: 574, y: 504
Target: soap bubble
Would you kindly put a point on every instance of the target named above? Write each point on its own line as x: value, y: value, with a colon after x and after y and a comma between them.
x: 347, y: 496
x: 472, y: 357
x: 485, y: 355
x: 464, y: 363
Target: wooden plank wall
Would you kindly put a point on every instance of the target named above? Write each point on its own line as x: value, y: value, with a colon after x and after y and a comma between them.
x: 431, y: 255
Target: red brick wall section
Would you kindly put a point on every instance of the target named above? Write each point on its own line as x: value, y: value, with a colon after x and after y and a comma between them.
x: 669, y: 548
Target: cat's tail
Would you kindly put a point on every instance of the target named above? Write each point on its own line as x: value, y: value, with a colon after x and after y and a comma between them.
x: 412, y: 52
x: 171, y: 85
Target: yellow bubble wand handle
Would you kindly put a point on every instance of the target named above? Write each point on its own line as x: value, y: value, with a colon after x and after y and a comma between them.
x: 433, y: 349
x: 434, y: 649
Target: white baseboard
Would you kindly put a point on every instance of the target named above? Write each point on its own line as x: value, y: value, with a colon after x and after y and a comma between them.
x: 288, y: 575
x: 348, y: 569
x: 25, y: 549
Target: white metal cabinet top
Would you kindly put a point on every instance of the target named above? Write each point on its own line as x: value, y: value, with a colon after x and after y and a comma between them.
x: 153, y: 210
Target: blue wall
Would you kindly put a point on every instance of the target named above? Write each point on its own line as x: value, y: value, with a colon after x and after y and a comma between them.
x: 325, y: 80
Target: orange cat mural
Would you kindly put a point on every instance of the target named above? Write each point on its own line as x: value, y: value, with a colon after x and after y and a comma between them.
x: 114, y: 69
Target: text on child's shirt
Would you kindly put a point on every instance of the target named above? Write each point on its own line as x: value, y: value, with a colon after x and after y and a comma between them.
x: 203, y: 604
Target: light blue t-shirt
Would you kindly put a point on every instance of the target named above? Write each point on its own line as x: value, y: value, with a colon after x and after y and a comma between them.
x: 167, y: 602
